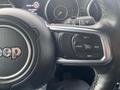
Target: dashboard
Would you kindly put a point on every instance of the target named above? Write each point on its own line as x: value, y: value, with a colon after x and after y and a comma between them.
x: 58, y: 11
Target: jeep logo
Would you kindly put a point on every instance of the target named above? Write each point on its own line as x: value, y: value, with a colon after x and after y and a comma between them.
x: 10, y: 52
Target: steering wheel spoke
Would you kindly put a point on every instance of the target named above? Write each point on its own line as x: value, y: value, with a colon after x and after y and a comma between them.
x: 80, y: 45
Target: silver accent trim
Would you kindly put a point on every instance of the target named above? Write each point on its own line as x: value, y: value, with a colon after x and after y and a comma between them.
x: 104, y: 39
x: 88, y: 7
x: 28, y: 58
x: 45, y: 10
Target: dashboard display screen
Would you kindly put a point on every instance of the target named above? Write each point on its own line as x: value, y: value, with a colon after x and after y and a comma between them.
x: 34, y: 6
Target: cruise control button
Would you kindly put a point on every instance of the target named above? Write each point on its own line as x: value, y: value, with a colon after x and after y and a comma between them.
x: 97, y: 47
x: 79, y: 47
x: 93, y: 56
x: 89, y: 55
x: 90, y: 38
x: 87, y: 47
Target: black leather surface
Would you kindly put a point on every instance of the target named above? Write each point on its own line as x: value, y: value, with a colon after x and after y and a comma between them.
x: 69, y: 85
x: 108, y: 75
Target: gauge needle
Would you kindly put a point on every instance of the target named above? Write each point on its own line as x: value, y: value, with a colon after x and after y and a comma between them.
x: 60, y: 13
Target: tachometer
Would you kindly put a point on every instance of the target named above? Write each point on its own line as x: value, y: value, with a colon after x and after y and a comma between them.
x: 60, y: 12
x: 57, y: 11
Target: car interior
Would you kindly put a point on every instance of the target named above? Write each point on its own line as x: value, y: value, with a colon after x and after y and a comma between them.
x: 59, y: 44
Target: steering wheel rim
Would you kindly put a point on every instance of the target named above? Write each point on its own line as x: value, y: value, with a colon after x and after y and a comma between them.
x: 107, y: 76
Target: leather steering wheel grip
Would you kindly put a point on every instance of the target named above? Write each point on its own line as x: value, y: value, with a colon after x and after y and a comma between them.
x: 108, y: 75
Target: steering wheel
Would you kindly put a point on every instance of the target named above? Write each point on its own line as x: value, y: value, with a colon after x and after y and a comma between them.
x: 30, y: 48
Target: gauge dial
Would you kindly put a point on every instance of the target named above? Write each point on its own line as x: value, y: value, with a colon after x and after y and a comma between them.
x: 56, y: 11
x: 60, y: 12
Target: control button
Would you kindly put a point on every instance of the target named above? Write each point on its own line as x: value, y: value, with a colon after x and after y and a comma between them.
x: 89, y: 55
x: 79, y: 47
x: 66, y: 49
x: 86, y: 37
x: 87, y: 47
x: 93, y: 56
x: 77, y: 38
x: 91, y: 38
x: 77, y: 44
x: 97, y: 47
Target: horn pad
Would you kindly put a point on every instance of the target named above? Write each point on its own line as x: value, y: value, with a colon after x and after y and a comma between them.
x: 26, y: 49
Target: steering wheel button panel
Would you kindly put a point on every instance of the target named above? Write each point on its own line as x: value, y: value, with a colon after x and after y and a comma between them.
x: 89, y: 45
x: 81, y: 46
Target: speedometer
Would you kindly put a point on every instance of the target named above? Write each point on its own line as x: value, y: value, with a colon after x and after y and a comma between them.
x: 57, y: 11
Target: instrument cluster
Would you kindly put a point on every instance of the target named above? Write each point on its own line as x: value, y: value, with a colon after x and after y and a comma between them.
x: 57, y: 11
